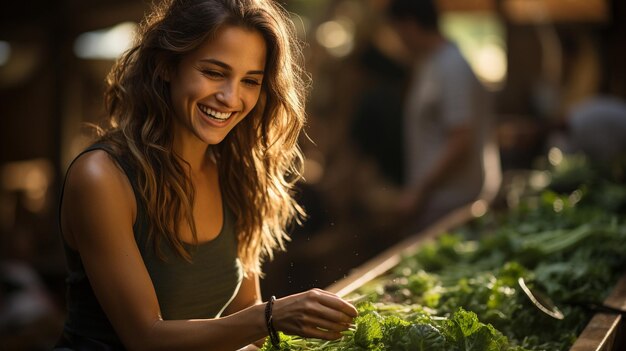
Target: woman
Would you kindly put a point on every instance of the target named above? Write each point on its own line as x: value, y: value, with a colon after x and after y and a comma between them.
x: 167, y: 218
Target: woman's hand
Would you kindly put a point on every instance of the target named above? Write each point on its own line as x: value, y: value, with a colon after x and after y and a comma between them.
x: 314, y: 314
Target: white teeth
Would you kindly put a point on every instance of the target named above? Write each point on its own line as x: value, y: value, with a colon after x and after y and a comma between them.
x: 213, y: 113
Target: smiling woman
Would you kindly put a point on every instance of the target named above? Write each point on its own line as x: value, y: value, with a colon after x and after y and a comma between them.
x: 168, y: 216
x: 216, y: 86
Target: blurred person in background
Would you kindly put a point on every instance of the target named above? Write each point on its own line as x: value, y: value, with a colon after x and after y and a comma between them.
x: 447, y: 119
x: 597, y: 128
x: 167, y: 218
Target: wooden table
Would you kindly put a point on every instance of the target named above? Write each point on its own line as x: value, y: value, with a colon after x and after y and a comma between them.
x: 606, y: 332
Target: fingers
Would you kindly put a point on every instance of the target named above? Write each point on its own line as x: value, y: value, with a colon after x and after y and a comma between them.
x: 315, y: 313
x: 313, y: 327
x: 323, y: 323
x: 331, y: 314
x: 334, y: 302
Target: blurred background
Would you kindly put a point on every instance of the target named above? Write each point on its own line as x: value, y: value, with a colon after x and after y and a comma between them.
x: 538, y: 58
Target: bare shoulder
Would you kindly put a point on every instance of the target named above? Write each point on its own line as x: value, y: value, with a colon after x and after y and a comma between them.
x: 97, y: 171
x: 94, y: 168
x: 96, y: 189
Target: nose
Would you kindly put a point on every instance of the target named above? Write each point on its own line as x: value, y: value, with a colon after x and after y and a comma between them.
x: 228, y: 94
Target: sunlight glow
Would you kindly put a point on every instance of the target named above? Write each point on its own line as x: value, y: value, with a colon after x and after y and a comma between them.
x: 336, y: 36
x: 107, y: 43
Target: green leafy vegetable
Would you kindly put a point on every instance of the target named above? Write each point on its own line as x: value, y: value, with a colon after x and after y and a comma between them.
x: 460, y: 291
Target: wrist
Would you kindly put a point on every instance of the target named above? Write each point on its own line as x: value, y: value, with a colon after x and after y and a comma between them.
x: 258, y: 319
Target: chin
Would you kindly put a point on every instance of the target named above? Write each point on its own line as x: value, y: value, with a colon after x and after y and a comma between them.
x: 213, y: 139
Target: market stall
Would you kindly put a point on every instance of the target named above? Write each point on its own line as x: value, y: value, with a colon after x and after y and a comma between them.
x: 476, y: 281
x: 604, y: 332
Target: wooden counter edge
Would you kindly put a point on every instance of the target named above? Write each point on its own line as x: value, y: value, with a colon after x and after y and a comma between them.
x: 392, y: 256
x: 601, y: 332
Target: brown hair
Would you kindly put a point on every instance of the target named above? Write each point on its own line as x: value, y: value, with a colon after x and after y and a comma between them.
x: 259, y: 161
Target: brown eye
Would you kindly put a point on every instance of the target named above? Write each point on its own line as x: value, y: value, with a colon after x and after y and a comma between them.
x: 212, y: 74
x: 251, y: 82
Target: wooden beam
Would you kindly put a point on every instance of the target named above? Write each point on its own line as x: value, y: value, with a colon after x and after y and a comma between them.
x: 545, y: 11
x: 466, y: 5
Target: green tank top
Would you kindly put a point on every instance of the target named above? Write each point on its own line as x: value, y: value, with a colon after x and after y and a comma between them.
x: 198, y: 289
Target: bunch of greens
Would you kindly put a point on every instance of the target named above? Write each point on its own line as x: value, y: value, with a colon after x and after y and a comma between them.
x: 461, y: 291
x: 381, y: 327
x: 575, y: 255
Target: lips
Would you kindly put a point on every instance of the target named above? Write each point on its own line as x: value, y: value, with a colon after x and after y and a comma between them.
x: 214, y: 114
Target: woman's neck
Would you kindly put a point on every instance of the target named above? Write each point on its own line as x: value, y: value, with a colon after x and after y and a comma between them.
x: 194, y: 152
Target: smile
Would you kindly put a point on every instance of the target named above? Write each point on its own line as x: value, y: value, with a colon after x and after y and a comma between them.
x: 211, y: 113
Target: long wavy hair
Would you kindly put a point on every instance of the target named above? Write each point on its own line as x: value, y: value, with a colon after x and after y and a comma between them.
x: 259, y: 161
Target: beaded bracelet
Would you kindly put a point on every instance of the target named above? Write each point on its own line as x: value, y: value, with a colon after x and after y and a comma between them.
x: 275, y: 340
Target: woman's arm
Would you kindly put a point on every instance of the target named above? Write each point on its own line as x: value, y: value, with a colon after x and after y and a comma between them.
x: 98, y: 214
x: 99, y: 211
x: 249, y: 294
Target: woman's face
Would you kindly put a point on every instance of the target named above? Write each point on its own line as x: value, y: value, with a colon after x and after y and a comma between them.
x: 216, y: 86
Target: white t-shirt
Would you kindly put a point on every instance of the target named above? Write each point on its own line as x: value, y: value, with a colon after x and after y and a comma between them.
x: 445, y: 94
